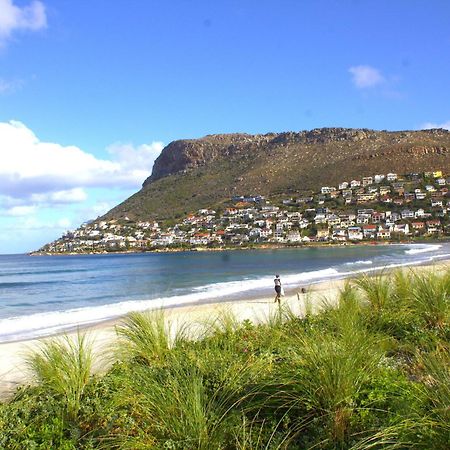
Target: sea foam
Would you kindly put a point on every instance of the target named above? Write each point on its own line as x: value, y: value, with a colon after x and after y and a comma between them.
x: 44, y: 324
x: 422, y: 248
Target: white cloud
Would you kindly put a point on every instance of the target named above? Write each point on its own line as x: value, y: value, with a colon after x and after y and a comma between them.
x: 44, y: 186
x: 366, y: 76
x: 32, y: 167
x: 75, y: 195
x: 15, y: 18
x: 430, y: 125
x: 137, y: 161
x: 17, y: 211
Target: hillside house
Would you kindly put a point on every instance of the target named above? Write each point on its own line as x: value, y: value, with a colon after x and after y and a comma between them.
x: 435, y: 203
x: 402, y: 228
x: 320, y: 218
x: 433, y: 226
x: 294, y: 236
x: 419, y: 213
x: 255, y: 233
x: 383, y: 233
x: 339, y: 235
x: 414, y: 176
x: 391, y: 177
x: 365, y: 198
x: 418, y: 227
x: 323, y: 234
x: 327, y: 190
x: 369, y: 231
x: 421, y: 195
x: 363, y: 219
x: 378, y: 217
x: 266, y: 232
x: 407, y: 214
x: 333, y: 220
x: 355, y: 233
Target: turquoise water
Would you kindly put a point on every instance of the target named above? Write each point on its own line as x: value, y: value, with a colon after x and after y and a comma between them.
x: 42, y: 295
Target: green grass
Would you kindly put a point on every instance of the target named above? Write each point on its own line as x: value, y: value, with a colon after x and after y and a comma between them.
x: 369, y: 372
x: 63, y: 366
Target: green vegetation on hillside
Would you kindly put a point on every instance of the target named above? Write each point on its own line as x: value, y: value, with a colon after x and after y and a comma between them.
x: 203, y: 173
x: 371, y: 372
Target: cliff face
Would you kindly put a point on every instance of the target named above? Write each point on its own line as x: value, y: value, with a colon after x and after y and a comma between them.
x: 196, y: 173
x: 183, y: 155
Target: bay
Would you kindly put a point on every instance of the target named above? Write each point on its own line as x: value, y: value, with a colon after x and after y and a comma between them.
x: 42, y: 295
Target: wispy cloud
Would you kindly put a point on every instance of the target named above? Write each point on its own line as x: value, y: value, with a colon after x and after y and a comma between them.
x: 13, y: 18
x: 17, y: 211
x: 9, y: 86
x: 364, y: 77
x: 430, y: 125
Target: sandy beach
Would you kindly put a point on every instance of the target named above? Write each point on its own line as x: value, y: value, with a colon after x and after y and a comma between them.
x: 13, y: 371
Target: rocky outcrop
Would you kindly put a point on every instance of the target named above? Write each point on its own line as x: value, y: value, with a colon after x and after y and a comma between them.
x: 184, y: 155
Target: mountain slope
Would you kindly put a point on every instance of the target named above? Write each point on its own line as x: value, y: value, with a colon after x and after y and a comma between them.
x: 196, y: 173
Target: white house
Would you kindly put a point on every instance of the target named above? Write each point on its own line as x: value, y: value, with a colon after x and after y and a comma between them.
x: 355, y: 233
x: 401, y: 228
x: 391, y: 176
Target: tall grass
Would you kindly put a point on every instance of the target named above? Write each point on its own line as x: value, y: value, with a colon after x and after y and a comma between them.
x: 376, y: 290
x: 436, y: 385
x: 430, y: 297
x: 63, y: 366
x: 147, y: 337
x: 338, y: 379
x: 183, y: 408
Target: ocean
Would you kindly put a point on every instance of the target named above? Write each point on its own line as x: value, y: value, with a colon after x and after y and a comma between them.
x: 43, y: 295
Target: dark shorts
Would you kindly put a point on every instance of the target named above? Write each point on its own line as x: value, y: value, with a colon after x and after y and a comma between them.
x: 278, y: 289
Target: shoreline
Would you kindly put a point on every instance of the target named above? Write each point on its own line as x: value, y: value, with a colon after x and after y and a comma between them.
x: 241, y: 296
x: 13, y: 371
x: 12, y: 354
x: 265, y: 246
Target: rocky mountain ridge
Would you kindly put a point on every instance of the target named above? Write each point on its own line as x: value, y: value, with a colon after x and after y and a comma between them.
x: 187, y: 154
x: 195, y: 173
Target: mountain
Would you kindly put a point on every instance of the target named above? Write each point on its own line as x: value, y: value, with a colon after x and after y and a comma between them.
x: 199, y: 173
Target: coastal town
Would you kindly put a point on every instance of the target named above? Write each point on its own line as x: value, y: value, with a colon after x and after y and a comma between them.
x: 381, y: 207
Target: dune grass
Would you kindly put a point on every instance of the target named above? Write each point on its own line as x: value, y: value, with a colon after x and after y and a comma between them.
x: 371, y: 371
x: 63, y: 366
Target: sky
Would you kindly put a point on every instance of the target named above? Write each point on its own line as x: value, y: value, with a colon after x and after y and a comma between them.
x: 91, y: 91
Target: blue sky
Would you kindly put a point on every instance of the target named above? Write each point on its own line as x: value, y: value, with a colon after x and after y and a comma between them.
x: 90, y: 91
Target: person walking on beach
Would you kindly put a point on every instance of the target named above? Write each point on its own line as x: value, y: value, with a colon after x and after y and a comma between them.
x: 277, y: 282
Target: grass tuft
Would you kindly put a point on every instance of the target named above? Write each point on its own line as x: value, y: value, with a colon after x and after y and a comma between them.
x: 63, y: 366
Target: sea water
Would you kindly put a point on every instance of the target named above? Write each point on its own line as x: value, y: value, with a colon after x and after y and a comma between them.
x: 42, y: 295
